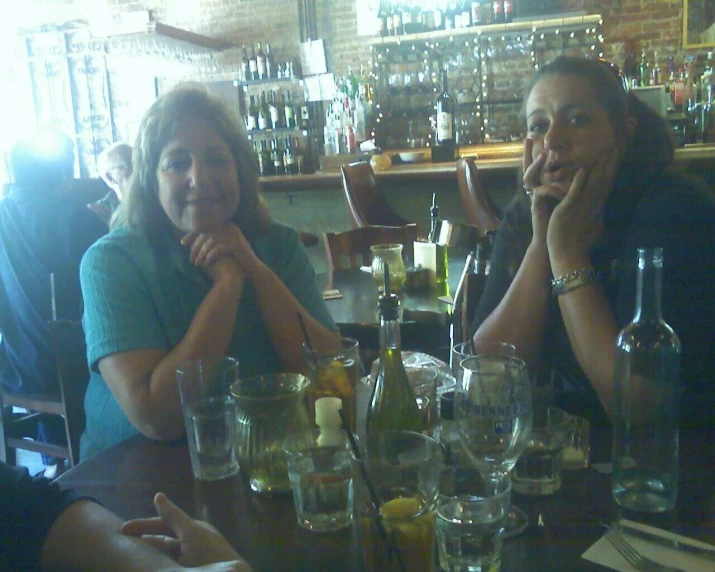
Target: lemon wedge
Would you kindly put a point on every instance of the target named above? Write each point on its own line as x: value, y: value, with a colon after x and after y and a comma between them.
x: 334, y: 377
x: 403, y: 507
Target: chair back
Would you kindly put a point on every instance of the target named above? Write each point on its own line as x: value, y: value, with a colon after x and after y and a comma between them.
x: 351, y: 249
x: 73, y: 375
x: 479, y: 207
x: 365, y: 202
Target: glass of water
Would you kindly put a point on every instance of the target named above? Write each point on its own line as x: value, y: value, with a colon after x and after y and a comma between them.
x: 210, y: 415
x: 470, y: 529
x: 321, y: 478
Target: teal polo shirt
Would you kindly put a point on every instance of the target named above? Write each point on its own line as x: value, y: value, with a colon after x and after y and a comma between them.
x: 139, y: 297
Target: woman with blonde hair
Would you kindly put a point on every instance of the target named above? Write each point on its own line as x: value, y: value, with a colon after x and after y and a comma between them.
x: 197, y: 269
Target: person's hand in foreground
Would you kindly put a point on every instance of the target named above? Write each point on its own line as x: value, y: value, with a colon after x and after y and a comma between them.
x: 192, y: 543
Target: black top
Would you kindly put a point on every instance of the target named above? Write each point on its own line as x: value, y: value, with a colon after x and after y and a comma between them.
x: 28, y: 509
x: 42, y: 232
x: 672, y: 213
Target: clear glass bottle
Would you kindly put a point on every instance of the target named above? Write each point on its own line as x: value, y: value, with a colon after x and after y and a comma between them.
x: 393, y: 405
x: 646, y: 399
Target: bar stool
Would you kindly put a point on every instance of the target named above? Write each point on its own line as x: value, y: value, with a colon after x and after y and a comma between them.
x: 479, y: 207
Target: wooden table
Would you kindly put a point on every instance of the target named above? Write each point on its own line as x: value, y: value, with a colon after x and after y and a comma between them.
x: 264, y: 530
x: 425, y: 318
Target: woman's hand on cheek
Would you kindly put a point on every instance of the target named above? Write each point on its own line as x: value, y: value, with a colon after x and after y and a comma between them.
x: 543, y: 197
x: 577, y: 222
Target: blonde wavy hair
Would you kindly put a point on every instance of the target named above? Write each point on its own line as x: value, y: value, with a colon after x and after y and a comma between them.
x: 141, y: 206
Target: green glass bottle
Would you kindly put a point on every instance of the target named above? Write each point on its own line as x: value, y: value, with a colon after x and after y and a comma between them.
x: 393, y: 405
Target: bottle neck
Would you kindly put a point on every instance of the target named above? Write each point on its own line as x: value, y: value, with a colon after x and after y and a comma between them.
x: 389, y: 334
x: 650, y: 265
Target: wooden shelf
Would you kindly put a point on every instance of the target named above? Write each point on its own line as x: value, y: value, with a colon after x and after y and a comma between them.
x: 490, y: 30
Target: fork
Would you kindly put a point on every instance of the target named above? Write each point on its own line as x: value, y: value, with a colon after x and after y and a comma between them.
x: 633, y: 556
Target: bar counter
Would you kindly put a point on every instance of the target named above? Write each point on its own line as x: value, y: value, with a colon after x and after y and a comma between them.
x: 491, y: 158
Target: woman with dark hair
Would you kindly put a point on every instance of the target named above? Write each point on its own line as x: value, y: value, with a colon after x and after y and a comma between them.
x: 598, y: 186
x: 198, y: 269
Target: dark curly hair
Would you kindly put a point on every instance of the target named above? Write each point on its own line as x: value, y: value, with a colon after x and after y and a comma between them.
x: 141, y: 206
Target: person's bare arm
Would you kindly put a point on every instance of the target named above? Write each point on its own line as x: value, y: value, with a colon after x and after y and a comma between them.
x: 144, y: 381
x: 86, y: 536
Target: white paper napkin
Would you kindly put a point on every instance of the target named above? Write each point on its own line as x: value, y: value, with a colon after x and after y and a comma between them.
x: 603, y: 552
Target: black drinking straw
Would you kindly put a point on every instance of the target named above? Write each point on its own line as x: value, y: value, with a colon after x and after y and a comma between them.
x: 307, y: 339
x: 391, y: 547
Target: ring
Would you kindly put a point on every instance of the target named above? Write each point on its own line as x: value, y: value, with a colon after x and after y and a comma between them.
x: 528, y: 191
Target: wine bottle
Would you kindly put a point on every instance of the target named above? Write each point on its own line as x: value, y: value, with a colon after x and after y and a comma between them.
x: 291, y: 167
x: 252, y: 117
x: 267, y: 159
x: 264, y: 119
x: 252, y: 65
x: 445, y: 114
x: 644, y: 71
x: 289, y: 111
x: 270, y: 71
x: 273, y: 111
x: 508, y: 7
x: 393, y: 405
x: 646, y: 399
x: 261, y: 62
x: 497, y: 11
x: 244, y: 65
x: 277, y: 157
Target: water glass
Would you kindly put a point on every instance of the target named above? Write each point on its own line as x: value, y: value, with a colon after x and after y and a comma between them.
x: 404, y: 470
x: 334, y: 374
x: 269, y: 408
x: 578, y: 451
x: 538, y: 470
x: 321, y: 477
x: 470, y: 530
x: 468, y: 349
x: 209, y: 414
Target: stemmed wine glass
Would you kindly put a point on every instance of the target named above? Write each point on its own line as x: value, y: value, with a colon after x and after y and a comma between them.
x: 494, y: 414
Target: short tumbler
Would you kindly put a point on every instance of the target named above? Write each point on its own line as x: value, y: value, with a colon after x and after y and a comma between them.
x: 321, y: 478
x: 470, y: 530
x: 210, y: 415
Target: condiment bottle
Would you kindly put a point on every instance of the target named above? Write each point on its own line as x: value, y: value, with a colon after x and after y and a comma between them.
x: 393, y: 405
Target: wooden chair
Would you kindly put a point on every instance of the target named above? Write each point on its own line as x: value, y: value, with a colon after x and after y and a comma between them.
x: 479, y: 207
x: 351, y: 249
x: 73, y: 375
x: 366, y: 204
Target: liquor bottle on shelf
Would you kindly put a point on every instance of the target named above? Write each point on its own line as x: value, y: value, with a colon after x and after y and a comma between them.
x: 270, y: 63
x: 252, y: 117
x: 261, y: 62
x: 273, y: 111
x: 438, y: 17
x: 646, y: 399
x: 299, y: 155
x: 289, y: 111
x: 291, y: 165
x: 654, y: 76
x: 466, y: 9
x: 389, y: 20
x: 449, y: 16
x: 445, y: 137
x: 476, y: 10
x: 252, y: 66
x: 304, y: 117
x: 407, y: 25
x: 382, y: 29
x: 498, y: 11
x: 350, y: 144
x: 508, y: 7
x: 393, y: 405
x: 670, y: 84
x: 277, y: 156
x: 244, y: 65
x: 396, y: 19
x: 644, y: 71
x: 264, y: 118
x: 679, y: 90
x: 267, y: 159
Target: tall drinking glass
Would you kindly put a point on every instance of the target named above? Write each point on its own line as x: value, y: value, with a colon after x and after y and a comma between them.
x: 494, y: 414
